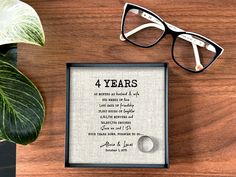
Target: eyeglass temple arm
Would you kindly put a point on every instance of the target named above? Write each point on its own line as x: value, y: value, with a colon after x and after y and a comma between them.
x: 198, y: 66
x: 147, y: 25
x: 159, y: 25
x: 139, y: 28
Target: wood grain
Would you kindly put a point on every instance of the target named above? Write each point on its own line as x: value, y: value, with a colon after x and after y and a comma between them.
x: 202, y: 116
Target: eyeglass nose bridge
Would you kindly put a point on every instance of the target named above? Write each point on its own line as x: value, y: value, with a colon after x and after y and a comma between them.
x: 172, y: 30
x: 173, y: 33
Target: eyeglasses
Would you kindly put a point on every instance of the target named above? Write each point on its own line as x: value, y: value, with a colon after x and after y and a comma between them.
x: 190, y: 51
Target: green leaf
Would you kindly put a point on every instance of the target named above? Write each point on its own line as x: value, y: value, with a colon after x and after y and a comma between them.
x: 22, y: 108
x: 19, y: 23
x: 8, y: 53
x: 1, y: 136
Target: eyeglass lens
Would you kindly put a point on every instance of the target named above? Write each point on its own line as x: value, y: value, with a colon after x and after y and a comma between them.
x: 193, y: 55
x: 141, y: 30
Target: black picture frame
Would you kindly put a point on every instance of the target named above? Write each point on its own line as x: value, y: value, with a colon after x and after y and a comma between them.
x: 112, y: 165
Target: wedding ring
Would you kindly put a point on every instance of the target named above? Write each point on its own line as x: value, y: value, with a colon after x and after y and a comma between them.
x: 145, y: 144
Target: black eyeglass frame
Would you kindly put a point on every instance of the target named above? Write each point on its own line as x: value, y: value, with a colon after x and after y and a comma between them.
x: 175, y: 34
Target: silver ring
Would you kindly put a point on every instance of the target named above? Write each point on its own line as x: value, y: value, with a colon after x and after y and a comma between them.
x: 145, y: 144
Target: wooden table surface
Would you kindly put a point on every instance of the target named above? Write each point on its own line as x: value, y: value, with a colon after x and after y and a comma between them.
x: 202, y: 107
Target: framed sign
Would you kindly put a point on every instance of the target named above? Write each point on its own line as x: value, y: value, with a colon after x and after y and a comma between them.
x: 117, y: 115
